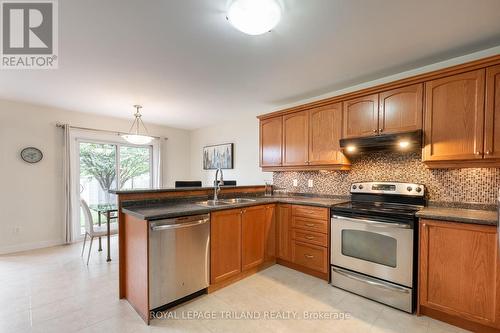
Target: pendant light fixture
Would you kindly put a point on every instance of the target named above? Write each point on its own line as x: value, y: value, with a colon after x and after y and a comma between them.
x: 137, y: 138
x: 254, y: 17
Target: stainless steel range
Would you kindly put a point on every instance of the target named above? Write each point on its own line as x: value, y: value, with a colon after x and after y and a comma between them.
x: 374, y: 242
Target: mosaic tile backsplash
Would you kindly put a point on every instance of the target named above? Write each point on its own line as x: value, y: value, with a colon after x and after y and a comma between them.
x: 478, y: 185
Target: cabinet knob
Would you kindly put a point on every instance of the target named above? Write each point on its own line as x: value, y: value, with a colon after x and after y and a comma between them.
x: 380, y: 130
x: 478, y: 153
x: 374, y: 131
x: 488, y: 152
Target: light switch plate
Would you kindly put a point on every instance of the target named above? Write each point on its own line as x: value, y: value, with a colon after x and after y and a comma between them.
x: 295, y: 182
x: 310, y: 183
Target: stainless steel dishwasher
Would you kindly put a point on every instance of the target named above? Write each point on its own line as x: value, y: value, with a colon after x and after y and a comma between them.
x: 179, y: 258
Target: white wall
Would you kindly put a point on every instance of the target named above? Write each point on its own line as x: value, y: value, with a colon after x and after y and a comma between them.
x: 31, y: 195
x: 244, y: 130
x: 244, y: 133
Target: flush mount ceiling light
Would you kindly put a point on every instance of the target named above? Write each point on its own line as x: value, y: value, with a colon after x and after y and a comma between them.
x: 254, y: 17
x: 137, y: 138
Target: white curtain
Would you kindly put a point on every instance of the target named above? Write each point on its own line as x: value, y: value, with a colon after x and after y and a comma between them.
x: 159, y: 164
x: 69, y: 236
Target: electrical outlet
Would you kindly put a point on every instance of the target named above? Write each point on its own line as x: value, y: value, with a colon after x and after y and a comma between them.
x: 295, y: 182
x: 310, y: 183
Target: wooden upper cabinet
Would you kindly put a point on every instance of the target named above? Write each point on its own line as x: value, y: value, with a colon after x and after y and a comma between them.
x: 283, y: 232
x: 458, y: 270
x: 295, y: 138
x: 454, y: 116
x: 253, y: 237
x: 492, y: 114
x: 271, y: 141
x: 225, y: 244
x: 400, y: 110
x: 360, y: 116
x: 325, y: 131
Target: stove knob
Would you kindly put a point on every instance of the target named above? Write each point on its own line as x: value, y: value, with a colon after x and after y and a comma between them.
x: 354, y: 187
x: 360, y: 187
x: 409, y: 188
x: 418, y: 189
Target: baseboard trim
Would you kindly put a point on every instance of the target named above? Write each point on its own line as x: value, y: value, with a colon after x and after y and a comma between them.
x: 29, y: 246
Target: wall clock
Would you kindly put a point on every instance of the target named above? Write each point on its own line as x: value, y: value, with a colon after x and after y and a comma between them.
x: 31, y: 155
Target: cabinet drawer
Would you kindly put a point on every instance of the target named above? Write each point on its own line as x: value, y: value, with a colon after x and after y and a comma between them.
x: 310, y: 212
x: 310, y: 237
x: 310, y: 224
x: 310, y: 256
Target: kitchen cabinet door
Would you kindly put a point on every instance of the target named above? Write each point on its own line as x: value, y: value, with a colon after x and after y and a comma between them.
x: 295, y: 138
x: 360, y: 116
x: 253, y: 236
x: 270, y: 234
x: 492, y: 114
x: 283, y: 232
x: 225, y: 244
x: 271, y: 141
x: 325, y: 131
x: 400, y: 110
x: 458, y: 270
x: 454, y: 115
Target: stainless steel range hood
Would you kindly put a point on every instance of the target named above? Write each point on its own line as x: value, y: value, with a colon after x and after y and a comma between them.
x: 408, y: 141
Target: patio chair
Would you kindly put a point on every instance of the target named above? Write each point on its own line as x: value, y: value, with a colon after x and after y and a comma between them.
x: 92, y: 230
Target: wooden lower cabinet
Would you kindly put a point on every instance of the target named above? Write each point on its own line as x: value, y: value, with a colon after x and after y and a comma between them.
x: 253, y: 236
x: 302, y: 237
x: 241, y: 240
x: 283, y: 229
x: 459, y: 274
x: 270, y: 233
x: 225, y: 244
x: 311, y: 256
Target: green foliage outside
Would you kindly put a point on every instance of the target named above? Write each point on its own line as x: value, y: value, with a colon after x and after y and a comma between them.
x: 99, y: 161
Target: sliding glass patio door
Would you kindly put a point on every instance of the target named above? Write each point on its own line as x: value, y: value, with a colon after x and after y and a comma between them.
x: 103, y: 166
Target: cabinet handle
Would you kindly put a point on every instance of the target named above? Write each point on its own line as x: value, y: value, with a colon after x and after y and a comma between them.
x: 380, y: 130
x: 309, y: 224
x: 309, y: 237
x: 309, y: 256
x: 374, y: 131
x: 478, y: 153
x: 488, y: 152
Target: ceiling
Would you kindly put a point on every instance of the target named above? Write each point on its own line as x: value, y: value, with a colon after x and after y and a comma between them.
x: 189, y: 68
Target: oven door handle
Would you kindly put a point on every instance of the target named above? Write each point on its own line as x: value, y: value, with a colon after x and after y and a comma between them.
x: 370, y: 281
x: 374, y: 223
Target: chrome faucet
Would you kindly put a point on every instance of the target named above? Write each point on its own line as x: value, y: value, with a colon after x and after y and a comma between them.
x: 218, y: 183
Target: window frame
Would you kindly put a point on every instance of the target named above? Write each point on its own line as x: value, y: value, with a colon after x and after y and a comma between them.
x: 78, y: 136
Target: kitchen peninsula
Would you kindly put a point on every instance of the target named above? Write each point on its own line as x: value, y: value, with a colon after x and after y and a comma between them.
x: 247, y: 234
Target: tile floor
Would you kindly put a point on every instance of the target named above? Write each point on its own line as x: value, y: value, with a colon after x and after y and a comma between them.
x: 52, y: 290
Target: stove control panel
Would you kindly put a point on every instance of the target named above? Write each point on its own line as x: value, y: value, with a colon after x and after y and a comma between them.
x: 397, y: 188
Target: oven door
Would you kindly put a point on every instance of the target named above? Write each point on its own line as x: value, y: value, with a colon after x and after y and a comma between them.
x: 379, y: 249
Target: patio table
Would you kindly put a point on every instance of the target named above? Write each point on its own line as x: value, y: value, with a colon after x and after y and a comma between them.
x: 108, y: 211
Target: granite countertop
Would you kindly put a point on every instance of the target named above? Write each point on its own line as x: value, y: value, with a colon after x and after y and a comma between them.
x: 454, y: 214
x: 185, y: 208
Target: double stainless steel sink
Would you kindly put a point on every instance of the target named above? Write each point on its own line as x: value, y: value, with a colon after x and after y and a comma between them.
x: 223, y: 202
